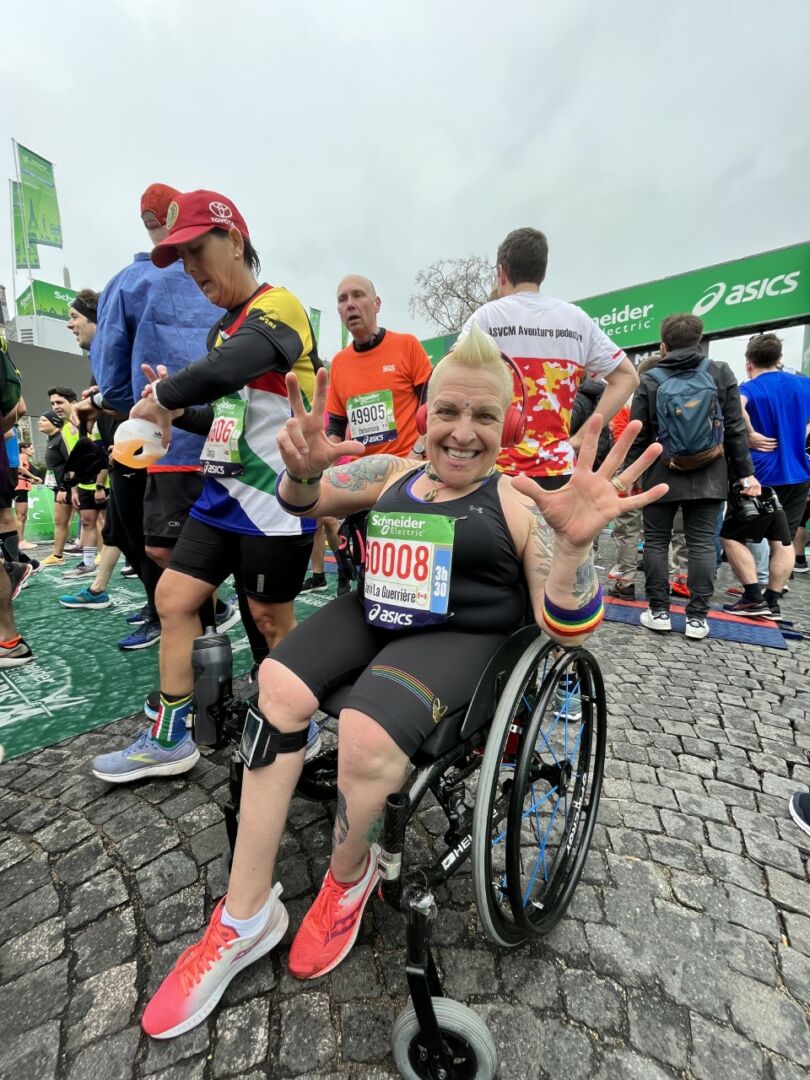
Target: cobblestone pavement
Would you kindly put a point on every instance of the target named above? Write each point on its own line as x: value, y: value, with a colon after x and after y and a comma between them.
x: 686, y: 951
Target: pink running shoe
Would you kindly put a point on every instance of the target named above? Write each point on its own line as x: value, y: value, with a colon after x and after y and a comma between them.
x: 331, y: 925
x: 202, y: 972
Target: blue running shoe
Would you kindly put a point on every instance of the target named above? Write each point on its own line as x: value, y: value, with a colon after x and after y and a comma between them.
x: 313, y: 741
x: 567, y: 698
x: 86, y: 599
x: 146, y: 757
x: 229, y: 616
x: 138, y: 618
x: 142, y: 637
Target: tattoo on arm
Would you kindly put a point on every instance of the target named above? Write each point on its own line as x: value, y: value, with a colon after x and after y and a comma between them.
x: 359, y: 474
x: 341, y: 830
x: 586, y: 582
x: 543, y: 540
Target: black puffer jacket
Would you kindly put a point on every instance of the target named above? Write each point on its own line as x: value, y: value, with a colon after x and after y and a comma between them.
x: 588, y: 395
x: 710, y: 482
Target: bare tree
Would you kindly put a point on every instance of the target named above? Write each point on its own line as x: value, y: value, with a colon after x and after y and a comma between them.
x: 450, y: 290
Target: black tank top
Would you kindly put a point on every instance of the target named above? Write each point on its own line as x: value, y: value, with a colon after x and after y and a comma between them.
x: 487, y: 593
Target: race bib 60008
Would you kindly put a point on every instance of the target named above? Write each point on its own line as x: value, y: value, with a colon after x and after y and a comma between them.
x: 407, y: 570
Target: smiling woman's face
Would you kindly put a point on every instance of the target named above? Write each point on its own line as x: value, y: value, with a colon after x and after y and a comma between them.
x: 465, y: 424
x: 216, y: 264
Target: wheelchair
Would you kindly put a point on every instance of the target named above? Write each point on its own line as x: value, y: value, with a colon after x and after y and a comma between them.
x: 518, y: 776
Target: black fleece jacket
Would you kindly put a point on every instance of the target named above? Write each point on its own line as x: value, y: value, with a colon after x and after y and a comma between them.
x: 710, y: 482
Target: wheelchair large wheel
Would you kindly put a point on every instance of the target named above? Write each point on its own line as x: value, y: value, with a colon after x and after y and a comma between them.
x: 555, y: 798
x: 495, y: 784
x: 474, y: 1056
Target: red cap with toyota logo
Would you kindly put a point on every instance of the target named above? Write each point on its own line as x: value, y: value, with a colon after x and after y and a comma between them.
x: 192, y: 214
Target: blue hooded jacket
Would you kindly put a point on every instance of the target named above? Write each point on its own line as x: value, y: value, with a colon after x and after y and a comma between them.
x: 150, y: 316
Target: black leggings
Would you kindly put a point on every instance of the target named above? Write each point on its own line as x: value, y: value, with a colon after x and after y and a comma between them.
x: 406, y: 682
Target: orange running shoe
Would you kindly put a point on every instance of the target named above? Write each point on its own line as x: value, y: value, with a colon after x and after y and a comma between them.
x: 331, y: 925
x: 202, y: 972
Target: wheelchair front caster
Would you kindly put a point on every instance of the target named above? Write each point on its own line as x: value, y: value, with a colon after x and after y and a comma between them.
x: 471, y: 1052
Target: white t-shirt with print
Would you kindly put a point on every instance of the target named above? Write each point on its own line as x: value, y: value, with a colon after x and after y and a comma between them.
x: 555, y: 345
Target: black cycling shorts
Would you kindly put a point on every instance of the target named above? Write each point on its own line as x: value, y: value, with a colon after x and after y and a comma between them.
x: 169, y: 497
x: 752, y: 530
x: 406, y: 682
x: 21, y: 496
x: 793, y: 498
x: 87, y: 500
x: 268, y: 568
x: 8, y: 483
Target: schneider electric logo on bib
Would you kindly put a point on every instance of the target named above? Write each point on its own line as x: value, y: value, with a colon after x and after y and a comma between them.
x: 744, y: 292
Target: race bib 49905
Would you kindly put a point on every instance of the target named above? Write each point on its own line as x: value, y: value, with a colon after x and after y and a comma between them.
x: 371, y: 417
x: 408, y: 565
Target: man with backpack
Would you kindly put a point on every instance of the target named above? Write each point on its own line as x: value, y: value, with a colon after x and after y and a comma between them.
x: 692, y: 406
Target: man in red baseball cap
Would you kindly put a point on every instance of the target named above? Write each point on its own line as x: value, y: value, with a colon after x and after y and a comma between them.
x: 155, y: 203
x: 193, y: 214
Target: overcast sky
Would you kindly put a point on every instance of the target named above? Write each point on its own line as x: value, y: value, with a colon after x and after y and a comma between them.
x: 375, y: 137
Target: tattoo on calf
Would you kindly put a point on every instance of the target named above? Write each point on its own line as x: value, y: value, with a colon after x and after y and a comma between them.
x: 374, y: 830
x: 341, y: 830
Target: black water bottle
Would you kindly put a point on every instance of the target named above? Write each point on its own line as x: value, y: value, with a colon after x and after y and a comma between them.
x: 212, y: 664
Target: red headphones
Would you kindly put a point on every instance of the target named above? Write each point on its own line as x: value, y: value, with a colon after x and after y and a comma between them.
x: 514, y: 424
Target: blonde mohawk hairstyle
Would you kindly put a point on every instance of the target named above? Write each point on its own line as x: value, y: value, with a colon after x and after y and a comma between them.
x: 476, y: 351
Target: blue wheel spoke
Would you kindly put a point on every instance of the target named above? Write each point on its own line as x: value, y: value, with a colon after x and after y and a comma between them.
x: 541, y: 855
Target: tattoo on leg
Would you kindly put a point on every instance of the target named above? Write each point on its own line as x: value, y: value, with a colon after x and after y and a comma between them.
x: 341, y: 830
x: 374, y: 830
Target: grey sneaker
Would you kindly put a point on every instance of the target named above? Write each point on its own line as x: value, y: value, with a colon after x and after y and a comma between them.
x: 313, y: 741
x: 145, y: 757
x: 18, y: 654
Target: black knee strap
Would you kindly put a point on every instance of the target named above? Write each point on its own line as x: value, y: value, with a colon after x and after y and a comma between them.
x: 261, y: 742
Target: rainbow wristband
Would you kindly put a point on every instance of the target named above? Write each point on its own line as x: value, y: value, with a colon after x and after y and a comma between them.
x: 569, y: 623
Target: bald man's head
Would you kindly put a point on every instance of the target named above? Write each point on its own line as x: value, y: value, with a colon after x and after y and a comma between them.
x: 358, y: 304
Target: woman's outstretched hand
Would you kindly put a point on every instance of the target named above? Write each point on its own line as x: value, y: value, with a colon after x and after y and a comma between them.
x: 305, y: 448
x: 591, y: 499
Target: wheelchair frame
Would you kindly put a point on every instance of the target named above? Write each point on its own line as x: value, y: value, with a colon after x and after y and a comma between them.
x: 512, y: 753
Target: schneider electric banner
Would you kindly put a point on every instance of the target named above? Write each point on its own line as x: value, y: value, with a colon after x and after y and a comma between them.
x: 39, y: 199
x: 53, y: 301
x: 747, y: 293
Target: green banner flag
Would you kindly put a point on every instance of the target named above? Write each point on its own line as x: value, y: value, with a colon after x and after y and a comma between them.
x: 26, y: 256
x: 52, y: 301
x: 344, y: 336
x: 39, y: 199
x: 315, y: 319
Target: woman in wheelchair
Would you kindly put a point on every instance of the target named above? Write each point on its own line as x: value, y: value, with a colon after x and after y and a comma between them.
x: 457, y: 555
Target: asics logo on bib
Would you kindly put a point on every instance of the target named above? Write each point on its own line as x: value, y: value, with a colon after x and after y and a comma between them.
x: 216, y: 470
x: 744, y: 292
x: 383, y: 615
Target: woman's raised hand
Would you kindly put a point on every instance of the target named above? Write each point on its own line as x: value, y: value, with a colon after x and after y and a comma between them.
x: 591, y: 499
x: 305, y: 448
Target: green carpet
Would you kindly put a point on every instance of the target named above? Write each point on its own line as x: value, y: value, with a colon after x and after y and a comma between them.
x: 80, y: 679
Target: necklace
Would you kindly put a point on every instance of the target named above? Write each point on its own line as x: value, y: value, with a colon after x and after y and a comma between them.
x: 431, y: 475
